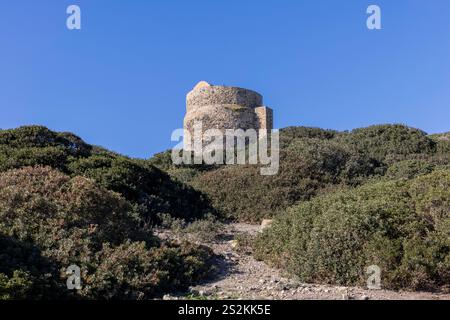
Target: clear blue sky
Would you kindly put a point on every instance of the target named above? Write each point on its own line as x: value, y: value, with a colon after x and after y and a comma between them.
x: 121, y: 81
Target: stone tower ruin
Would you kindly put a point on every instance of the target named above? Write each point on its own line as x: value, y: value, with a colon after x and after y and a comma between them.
x: 220, y: 107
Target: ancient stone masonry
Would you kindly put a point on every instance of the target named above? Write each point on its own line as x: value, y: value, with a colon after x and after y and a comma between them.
x: 220, y: 107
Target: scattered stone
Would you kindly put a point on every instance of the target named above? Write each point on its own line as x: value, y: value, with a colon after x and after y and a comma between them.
x: 234, y: 244
x: 244, y: 277
x: 266, y: 223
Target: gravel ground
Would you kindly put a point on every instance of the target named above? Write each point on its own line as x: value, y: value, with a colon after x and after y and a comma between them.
x: 240, y: 276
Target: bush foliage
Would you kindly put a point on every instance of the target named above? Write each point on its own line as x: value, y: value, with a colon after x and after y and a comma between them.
x: 312, y: 162
x: 149, y: 189
x: 49, y: 221
x: 341, y: 200
x: 402, y: 226
x: 64, y: 202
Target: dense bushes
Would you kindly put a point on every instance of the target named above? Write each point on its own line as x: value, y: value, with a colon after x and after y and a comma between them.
x: 150, y: 190
x: 409, y: 169
x: 36, y: 145
x: 133, y: 271
x: 242, y: 193
x: 25, y: 273
x: 40, y: 137
x: 49, y: 221
x: 443, y: 142
x: 291, y: 134
x: 313, y: 161
x: 381, y: 141
x: 401, y: 226
x: 336, y: 231
x: 342, y: 201
x: 91, y: 207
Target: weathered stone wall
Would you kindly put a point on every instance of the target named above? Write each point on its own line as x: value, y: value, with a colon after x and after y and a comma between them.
x: 264, y: 116
x: 219, y: 107
x: 219, y: 95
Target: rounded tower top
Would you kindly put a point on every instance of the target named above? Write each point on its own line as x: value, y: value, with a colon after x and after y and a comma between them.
x: 201, y: 84
x: 205, y: 94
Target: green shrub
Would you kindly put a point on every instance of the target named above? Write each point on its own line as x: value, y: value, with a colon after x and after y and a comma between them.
x: 41, y: 137
x: 150, y: 190
x: 409, y: 169
x: 307, y: 167
x: 65, y: 221
x: 37, y: 145
x: 15, y: 287
x: 205, y: 230
x: 162, y: 160
x: 291, y: 134
x: 401, y: 226
x: 443, y: 147
x: 312, y: 161
x: 25, y: 273
x: 132, y: 271
x: 379, y: 141
x: 55, y: 157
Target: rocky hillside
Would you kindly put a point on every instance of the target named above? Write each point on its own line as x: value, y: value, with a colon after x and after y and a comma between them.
x: 342, y: 201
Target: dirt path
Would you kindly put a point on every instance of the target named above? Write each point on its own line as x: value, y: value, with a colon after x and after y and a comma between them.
x: 240, y: 276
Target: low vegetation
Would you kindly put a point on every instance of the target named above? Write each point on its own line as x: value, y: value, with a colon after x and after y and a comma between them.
x: 313, y: 162
x: 150, y: 190
x: 342, y: 201
x: 64, y: 202
x: 50, y: 221
x: 400, y: 225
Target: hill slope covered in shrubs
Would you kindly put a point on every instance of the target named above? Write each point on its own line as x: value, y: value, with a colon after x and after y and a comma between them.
x: 402, y: 226
x: 313, y: 162
x: 343, y: 201
x: 150, y: 190
x: 64, y: 202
